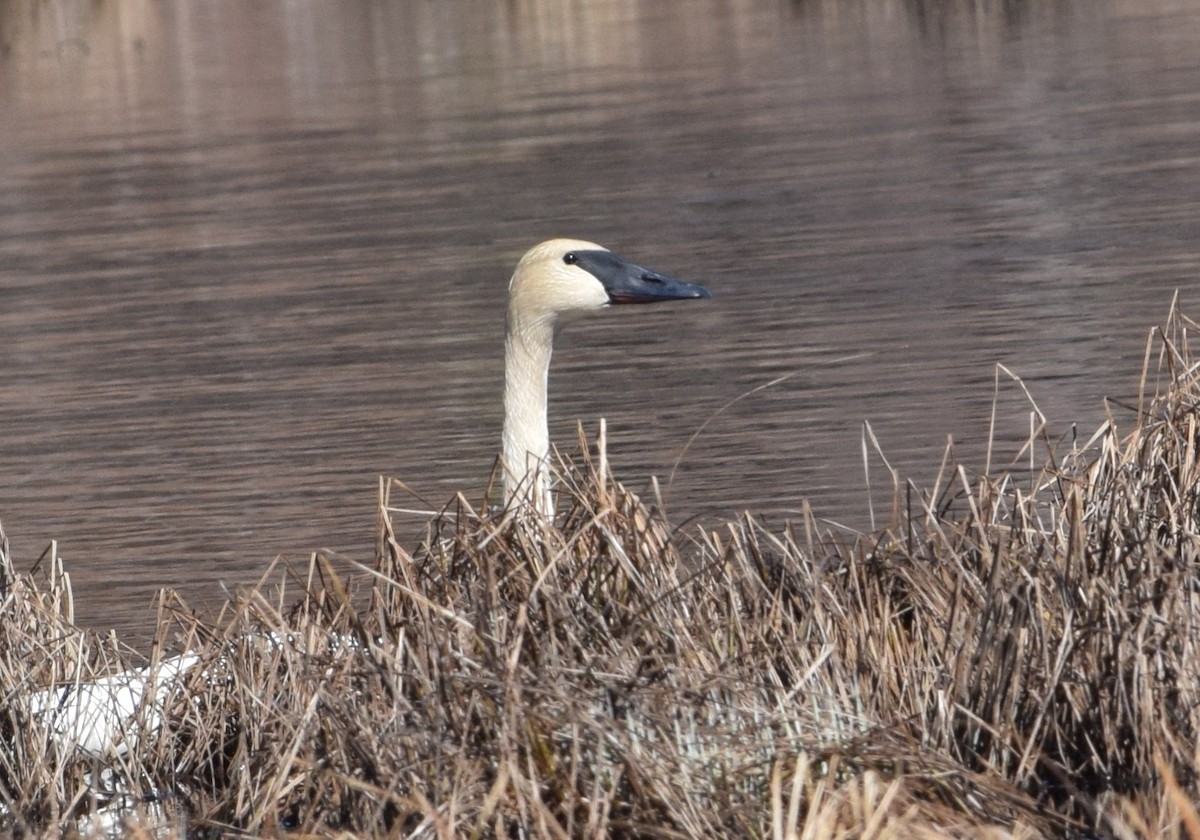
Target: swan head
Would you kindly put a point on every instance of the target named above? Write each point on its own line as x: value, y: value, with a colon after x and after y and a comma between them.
x: 572, y: 275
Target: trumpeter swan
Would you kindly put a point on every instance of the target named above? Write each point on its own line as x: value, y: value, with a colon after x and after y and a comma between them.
x: 557, y: 276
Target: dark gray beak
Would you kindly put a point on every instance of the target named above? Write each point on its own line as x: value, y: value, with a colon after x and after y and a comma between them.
x: 628, y: 282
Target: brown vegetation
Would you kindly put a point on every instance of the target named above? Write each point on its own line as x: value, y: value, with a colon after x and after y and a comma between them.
x: 1016, y: 655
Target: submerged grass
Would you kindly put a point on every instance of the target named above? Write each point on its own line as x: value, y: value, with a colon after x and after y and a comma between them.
x: 1015, y: 655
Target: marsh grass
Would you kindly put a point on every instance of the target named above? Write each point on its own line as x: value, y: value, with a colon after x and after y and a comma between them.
x: 1014, y: 655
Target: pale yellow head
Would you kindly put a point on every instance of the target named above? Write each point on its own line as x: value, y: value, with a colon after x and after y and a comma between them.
x: 546, y: 282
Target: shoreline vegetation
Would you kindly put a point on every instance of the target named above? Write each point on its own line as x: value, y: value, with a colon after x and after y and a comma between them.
x: 1015, y: 655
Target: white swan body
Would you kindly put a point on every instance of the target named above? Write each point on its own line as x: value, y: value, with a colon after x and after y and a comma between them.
x: 104, y: 718
x: 557, y: 276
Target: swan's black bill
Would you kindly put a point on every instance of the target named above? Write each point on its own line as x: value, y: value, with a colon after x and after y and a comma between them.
x: 628, y: 282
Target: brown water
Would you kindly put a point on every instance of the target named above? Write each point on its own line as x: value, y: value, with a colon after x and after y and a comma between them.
x: 252, y: 256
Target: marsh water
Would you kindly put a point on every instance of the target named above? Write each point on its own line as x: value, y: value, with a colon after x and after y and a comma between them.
x: 254, y: 256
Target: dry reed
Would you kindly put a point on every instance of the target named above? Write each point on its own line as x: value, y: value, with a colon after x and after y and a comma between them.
x: 1014, y: 656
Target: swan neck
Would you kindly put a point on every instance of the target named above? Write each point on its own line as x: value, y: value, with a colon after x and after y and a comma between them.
x: 527, y: 348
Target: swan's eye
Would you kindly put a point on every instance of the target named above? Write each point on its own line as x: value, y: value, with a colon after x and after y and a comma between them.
x: 570, y: 258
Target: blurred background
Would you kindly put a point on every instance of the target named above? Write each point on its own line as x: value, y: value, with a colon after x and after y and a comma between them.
x: 255, y: 255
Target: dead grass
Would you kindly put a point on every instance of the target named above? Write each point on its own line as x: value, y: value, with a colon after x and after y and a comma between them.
x: 1014, y: 656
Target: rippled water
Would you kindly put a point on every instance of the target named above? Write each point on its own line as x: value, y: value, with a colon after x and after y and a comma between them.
x: 252, y: 256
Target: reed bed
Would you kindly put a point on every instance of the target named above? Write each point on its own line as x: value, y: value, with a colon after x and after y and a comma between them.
x: 1014, y: 655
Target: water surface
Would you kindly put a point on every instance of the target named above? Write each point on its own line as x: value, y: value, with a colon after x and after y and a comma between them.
x: 253, y: 256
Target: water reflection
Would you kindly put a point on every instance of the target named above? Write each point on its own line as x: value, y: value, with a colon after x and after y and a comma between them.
x: 252, y: 257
